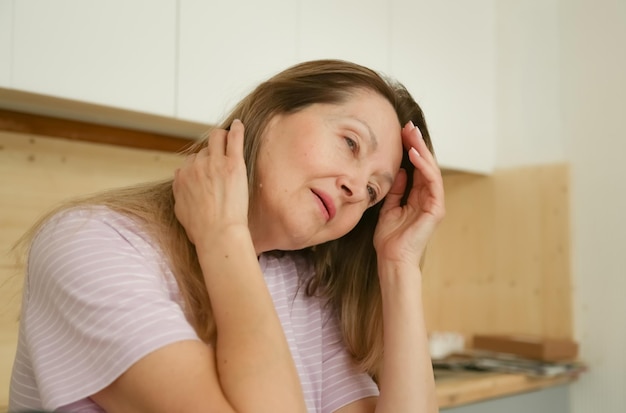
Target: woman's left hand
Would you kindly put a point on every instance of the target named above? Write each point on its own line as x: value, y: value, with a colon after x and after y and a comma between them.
x: 404, y: 230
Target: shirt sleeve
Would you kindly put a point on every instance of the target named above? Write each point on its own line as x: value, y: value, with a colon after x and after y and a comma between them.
x: 97, y: 300
x: 342, y: 380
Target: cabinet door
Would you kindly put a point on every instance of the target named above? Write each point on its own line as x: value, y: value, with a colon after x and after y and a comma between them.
x: 444, y: 52
x: 354, y: 30
x: 6, y: 33
x: 118, y: 53
x: 226, y: 49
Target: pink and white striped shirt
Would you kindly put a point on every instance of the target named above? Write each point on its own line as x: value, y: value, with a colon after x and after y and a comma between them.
x: 98, y: 297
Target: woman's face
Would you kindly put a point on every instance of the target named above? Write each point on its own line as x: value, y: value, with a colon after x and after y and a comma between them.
x: 320, y: 168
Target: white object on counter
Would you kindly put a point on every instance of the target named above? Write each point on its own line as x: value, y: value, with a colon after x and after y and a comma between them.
x: 444, y: 343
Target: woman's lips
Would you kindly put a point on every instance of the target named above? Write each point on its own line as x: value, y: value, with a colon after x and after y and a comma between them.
x: 327, y: 204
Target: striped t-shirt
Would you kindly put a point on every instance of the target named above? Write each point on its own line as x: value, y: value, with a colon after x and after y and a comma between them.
x: 98, y: 297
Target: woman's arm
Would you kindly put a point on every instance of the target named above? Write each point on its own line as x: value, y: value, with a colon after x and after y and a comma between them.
x: 253, y: 360
x: 179, y: 377
x: 254, y: 363
x: 250, y: 368
x: 407, y: 381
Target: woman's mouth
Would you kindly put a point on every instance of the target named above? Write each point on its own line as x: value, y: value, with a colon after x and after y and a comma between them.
x: 326, y: 203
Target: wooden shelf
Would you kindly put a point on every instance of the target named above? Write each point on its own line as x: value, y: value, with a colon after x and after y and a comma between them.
x: 35, y: 114
x: 463, y: 387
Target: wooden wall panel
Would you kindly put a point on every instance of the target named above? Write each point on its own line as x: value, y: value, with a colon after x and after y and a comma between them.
x: 37, y: 173
x: 499, y: 262
x: 532, y: 221
x: 458, y: 270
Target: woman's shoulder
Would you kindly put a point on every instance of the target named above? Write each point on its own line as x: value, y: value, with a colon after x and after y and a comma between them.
x: 96, y: 231
x: 79, y: 216
x: 87, y: 222
x: 87, y: 245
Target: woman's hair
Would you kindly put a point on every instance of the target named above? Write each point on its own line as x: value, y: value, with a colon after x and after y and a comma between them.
x: 345, y: 269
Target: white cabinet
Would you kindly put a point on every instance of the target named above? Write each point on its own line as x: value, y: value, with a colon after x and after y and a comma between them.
x: 227, y: 48
x: 444, y: 52
x: 354, y: 30
x: 194, y: 60
x: 118, y: 53
x: 6, y: 45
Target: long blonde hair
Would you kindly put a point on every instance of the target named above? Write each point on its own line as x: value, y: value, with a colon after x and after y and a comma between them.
x: 346, y: 272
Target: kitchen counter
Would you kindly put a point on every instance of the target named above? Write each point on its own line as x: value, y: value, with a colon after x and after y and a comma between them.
x: 456, y: 388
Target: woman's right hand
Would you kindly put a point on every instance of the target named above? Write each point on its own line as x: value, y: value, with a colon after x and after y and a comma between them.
x: 252, y: 360
x: 211, y: 188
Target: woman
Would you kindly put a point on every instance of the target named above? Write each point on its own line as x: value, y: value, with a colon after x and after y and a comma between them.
x: 259, y: 278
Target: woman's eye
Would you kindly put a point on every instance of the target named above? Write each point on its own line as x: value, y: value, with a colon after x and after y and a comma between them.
x: 351, y: 143
x: 372, y: 193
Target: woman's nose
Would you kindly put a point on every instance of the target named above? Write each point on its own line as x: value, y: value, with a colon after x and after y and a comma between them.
x: 354, y: 189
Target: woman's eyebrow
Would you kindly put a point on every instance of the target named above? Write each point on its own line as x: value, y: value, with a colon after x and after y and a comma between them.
x: 373, y: 143
x: 372, y: 136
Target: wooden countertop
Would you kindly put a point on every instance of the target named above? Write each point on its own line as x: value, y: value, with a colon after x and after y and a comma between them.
x: 456, y: 388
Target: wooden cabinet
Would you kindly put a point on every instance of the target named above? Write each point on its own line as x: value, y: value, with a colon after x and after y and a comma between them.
x: 444, y: 52
x: 116, y: 53
x: 227, y: 48
x: 6, y: 33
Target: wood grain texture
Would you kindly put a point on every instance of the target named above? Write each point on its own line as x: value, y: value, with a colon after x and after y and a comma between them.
x: 37, y: 173
x: 459, y: 388
x: 499, y: 263
x: 71, y: 129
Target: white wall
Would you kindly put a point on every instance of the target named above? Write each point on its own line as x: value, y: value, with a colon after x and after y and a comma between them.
x: 593, y: 101
x: 561, y: 96
x: 6, y: 41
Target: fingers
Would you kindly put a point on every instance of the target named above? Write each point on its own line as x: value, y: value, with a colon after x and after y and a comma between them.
x: 419, y: 154
x: 229, y: 143
x: 427, y: 175
x: 234, y: 143
x: 211, y: 187
x: 427, y: 170
x: 412, y: 138
x: 217, y: 142
x: 396, y: 192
